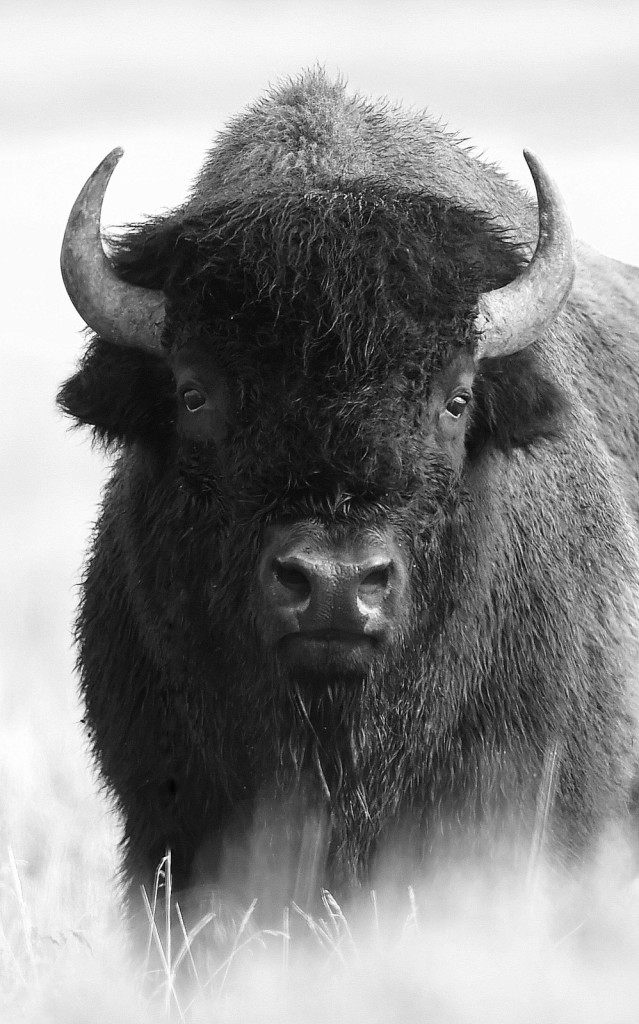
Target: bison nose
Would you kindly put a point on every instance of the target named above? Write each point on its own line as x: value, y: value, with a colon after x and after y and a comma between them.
x: 349, y: 590
x: 312, y: 587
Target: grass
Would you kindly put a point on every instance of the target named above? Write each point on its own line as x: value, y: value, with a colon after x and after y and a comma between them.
x: 458, y: 949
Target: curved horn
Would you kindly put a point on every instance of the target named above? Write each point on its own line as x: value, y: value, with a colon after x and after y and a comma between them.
x: 119, y: 312
x: 510, y: 318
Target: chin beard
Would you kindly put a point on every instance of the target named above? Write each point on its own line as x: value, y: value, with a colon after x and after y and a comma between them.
x: 342, y: 730
x: 321, y: 738
x: 324, y: 733
x: 330, y: 739
x: 343, y: 746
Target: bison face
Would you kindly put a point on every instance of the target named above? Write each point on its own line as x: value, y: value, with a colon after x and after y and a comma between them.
x: 329, y: 491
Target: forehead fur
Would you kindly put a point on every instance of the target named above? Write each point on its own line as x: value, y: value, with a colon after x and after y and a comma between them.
x: 312, y: 234
x: 310, y: 131
x: 374, y: 274
x: 322, y: 210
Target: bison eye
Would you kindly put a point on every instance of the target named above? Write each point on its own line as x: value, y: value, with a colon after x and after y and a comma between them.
x: 456, y: 405
x: 193, y: 399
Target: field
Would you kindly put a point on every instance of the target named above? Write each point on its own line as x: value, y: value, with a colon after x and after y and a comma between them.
x: 458, y: 949
x: 160, y: 79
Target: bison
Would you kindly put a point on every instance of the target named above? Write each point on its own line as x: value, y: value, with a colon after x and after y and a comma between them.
x: 368, y: 557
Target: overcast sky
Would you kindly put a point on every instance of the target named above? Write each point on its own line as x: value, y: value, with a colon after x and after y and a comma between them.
x: 160, y: 79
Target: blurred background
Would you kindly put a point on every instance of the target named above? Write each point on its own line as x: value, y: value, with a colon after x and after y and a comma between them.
x: 160, y: 78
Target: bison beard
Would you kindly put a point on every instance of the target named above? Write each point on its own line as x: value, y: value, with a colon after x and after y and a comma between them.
x: 341, y: 747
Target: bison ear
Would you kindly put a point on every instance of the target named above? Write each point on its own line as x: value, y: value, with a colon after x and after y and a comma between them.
x: 516, y: 404
x: 125, y: 394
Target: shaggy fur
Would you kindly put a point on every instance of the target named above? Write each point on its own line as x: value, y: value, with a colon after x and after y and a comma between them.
x: 327, y: 269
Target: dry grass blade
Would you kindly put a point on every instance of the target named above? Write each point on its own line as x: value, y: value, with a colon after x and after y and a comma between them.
x: 317, y: 927
x: 188, y: 939
x: 545, y: 801
x: 168, y: 984
x: 151, y: 912
x: 24, y: 911
x: 226, y: 966
x: 8, y: 952
x: 338, y: 928
x: 411, y: 924
x: 154, y: 935
x: 168, y: 887
x: 337, y: 917
x: 373, y: 897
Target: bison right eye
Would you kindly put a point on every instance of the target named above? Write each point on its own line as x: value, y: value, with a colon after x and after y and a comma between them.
x: 456, y: 405
x: 193, y: 399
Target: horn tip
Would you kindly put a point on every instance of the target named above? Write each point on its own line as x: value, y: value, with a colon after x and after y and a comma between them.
x: 532, y: 160
x: 114, y: 156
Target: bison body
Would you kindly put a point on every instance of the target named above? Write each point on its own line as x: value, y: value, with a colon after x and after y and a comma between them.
x: 356, y: 566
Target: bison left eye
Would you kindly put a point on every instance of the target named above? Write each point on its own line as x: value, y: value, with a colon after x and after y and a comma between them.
x: 456, y: 405
x: 193, y: 399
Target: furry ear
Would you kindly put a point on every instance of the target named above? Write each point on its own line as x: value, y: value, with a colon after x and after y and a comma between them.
x: 125, y: 394
x: 515, y: 403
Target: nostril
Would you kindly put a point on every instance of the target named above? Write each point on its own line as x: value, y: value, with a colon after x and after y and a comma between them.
x: 375, y: 580
x: 292, y: 578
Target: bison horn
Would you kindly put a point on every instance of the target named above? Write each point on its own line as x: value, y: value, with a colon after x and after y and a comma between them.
x: 510, y: 318
x: 119, y: 312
